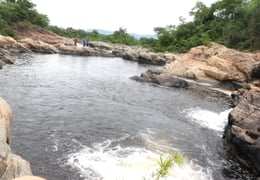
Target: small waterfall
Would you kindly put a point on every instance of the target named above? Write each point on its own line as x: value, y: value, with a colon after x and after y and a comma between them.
x: 208, y: 119
x: 110, y: 162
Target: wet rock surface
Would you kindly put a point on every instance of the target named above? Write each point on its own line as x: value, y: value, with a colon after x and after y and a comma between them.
x: 242, y: 133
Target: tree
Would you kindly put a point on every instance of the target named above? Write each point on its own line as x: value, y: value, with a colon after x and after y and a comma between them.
x: 120, y: 36
x: 253, y: 14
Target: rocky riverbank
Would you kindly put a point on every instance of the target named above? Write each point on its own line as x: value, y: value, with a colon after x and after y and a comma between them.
x: 39, y: 40
x: 214, y: 63
x: 11, y: 166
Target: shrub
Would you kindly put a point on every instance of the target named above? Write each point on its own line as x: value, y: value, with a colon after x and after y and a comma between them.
x: 246, y: 86
x: 24, y: 24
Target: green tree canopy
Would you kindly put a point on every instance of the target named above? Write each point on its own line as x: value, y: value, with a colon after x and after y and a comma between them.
x: 19, y: 12
x: 234, y: 23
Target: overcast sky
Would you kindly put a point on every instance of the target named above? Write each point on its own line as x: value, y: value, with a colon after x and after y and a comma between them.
x: 136, y: 16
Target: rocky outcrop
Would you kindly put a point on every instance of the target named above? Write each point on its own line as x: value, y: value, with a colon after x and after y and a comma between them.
x: 100, y: 45
x: 5, y: 57
x: 151, y: 58
x: 11, y: 165
x: 156, y: 76
x: 7, y: 45
x: 7, y: 42
x: 38, y: 46
x: 215, y: 62
x: 11, y: 45
x: 220, y: 67
x: 242, y: 133
x: 142, y: 55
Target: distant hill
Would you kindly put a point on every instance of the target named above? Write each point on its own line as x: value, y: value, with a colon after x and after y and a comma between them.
x: 101, y: 31
x: 137, y: 36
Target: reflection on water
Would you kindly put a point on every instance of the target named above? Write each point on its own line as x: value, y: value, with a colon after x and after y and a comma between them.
x: 83, y: 118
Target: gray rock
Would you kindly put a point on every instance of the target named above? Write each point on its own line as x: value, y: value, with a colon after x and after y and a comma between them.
x: 242, y: 133
x: 154, y: 76
x: 5, y: 57
x: 100, y: 45
x: 170, y: 81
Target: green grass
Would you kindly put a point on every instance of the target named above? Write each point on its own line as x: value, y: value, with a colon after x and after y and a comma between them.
x: 178, y: 158
x: 165, y: 164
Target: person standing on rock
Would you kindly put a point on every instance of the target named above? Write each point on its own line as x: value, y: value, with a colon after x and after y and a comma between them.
x: 75, y: 42
x: 85, y: 42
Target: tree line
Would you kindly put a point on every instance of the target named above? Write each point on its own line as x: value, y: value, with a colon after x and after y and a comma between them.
x: 120, y: 36
x: 233, y: 23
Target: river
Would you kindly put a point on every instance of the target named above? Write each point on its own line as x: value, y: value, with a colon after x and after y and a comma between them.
x: 83, y: 118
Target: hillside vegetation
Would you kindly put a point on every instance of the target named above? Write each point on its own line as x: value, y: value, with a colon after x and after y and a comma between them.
x: 233, y: 23
x: 19, y: 14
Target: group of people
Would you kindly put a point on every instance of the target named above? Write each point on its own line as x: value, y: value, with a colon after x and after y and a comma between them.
x: 85, y: 42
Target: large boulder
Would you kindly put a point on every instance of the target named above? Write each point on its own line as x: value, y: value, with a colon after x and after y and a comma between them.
x: 156, y: 77
x: 151, y: 58
x: 100, y: 45
x: 242, y: 133
x: 12, y: 45
x: 7, y: 42
x: 11, y: 165
x: 216, y: 62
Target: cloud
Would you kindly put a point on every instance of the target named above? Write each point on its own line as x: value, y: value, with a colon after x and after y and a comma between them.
x: 134, y: 15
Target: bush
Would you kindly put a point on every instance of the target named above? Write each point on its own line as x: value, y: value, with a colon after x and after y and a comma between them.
x: 24, y: 24
x: 5, y: 29
x: 40, y: 20
x: 246, y: 86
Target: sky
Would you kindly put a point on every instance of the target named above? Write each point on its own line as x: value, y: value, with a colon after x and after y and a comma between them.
x: 136, y: 16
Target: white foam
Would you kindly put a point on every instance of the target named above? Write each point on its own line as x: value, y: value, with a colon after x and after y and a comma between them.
x: 209, y: 119
x: 127, y: 163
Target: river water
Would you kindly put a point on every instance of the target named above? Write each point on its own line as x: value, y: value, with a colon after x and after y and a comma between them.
x: 83, y: 118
